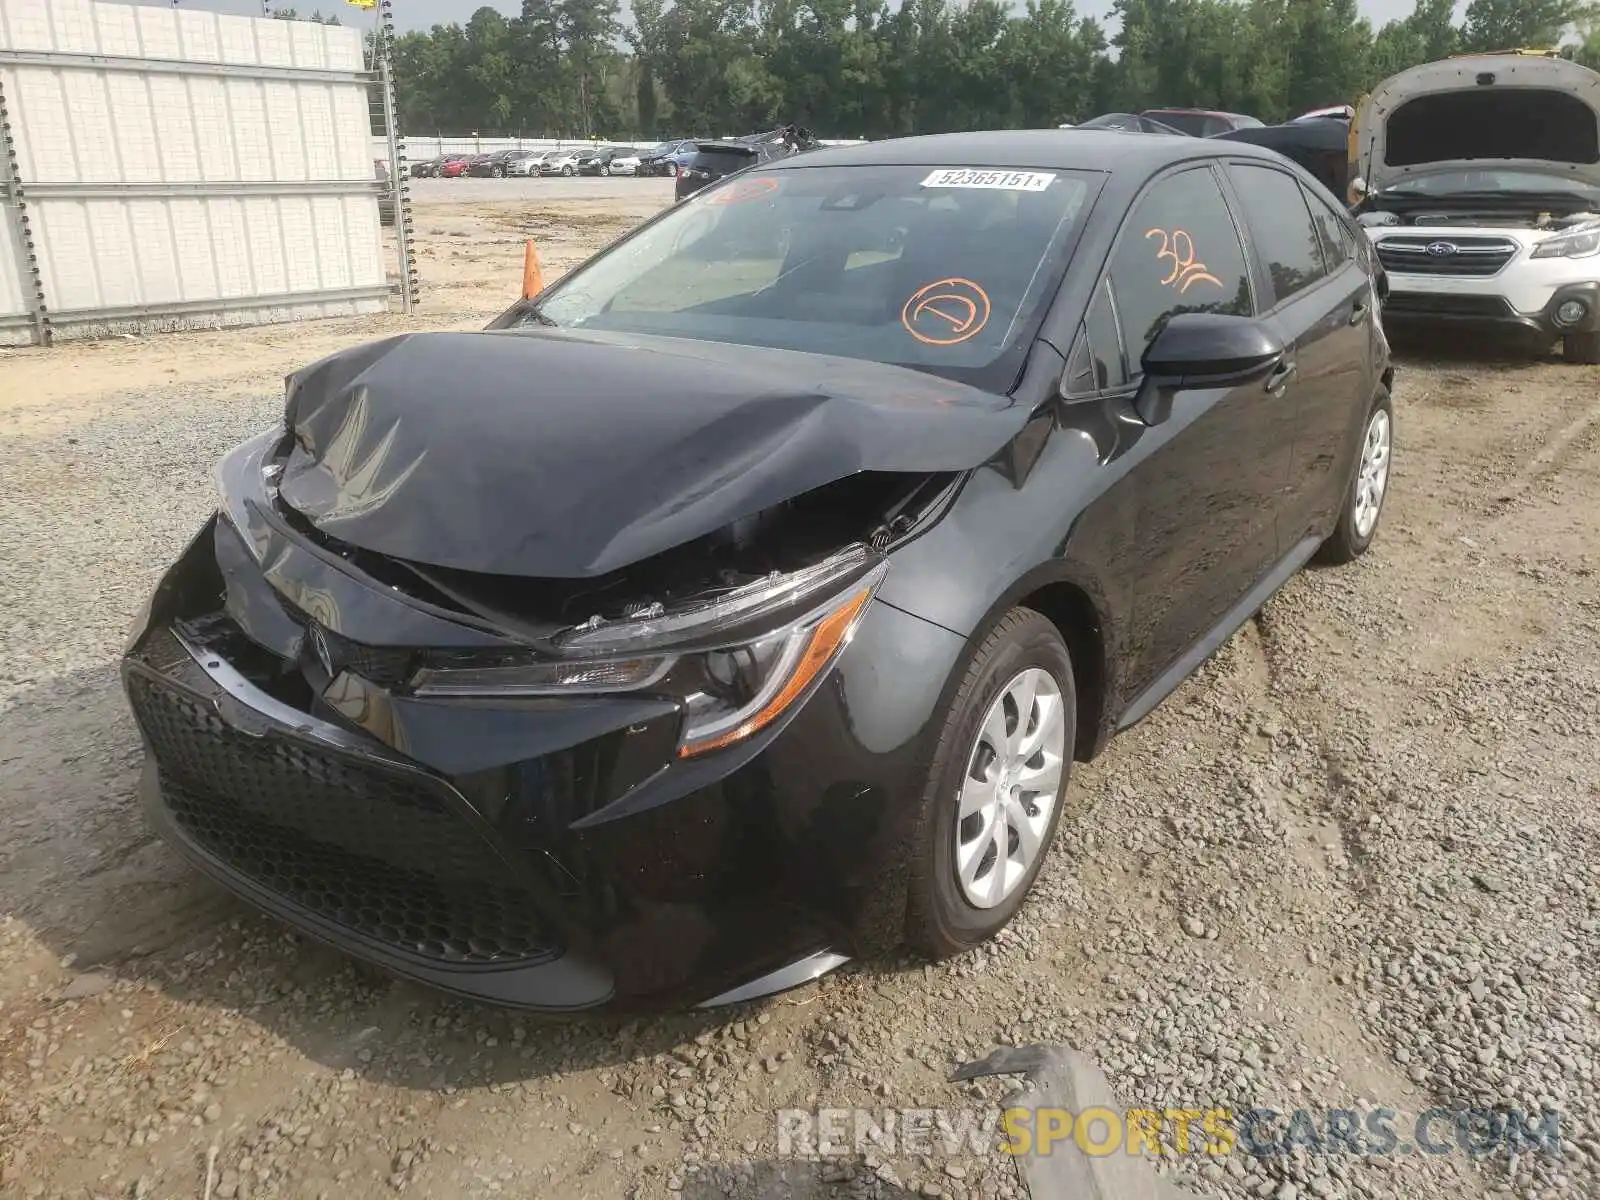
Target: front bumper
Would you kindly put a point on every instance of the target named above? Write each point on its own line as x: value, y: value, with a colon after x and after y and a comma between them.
x: 542, y: 854
x: 1411, y: 303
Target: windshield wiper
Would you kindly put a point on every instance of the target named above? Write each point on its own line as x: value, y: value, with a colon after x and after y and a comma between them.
x: 537, y: 317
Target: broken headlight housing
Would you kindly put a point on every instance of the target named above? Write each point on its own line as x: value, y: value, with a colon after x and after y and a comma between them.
x: 1574, y: 243
x: 737, y: 661
x: 245, y: 477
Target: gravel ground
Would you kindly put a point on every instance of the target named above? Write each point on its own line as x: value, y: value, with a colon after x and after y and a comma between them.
x: 1354, y: 863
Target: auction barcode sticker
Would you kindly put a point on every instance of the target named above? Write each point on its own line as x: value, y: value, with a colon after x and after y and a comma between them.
x: 972, y: 177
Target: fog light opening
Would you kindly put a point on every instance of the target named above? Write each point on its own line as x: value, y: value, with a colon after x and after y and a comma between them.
x: 1570, y: 312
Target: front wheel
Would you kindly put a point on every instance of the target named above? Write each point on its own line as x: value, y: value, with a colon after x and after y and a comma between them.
x: 498, y: 172
x: 567, y: 171
x: 1363, y: 502
x: 994, y: 792
x: 1581, y: 347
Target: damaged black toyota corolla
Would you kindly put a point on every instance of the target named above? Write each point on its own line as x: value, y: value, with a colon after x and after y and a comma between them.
x: 737, y: 606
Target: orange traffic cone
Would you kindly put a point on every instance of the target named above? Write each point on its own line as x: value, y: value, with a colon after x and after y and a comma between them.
x: 532, y: 277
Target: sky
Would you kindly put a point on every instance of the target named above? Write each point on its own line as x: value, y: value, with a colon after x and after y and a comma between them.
x: 421, y: 14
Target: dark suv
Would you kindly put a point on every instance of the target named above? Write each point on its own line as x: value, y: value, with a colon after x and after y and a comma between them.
x: 713, y: 160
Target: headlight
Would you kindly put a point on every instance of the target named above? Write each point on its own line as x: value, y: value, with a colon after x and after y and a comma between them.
x: 1580, y: 243
x: 737, y: 663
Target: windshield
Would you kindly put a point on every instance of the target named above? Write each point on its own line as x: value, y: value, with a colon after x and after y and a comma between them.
x: 941, y: 269
x: 1445, y: 183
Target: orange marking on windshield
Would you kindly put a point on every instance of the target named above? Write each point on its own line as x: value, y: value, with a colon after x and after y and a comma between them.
x: 1178, y: 249
x: 946, y: 312
x: 744, y: 189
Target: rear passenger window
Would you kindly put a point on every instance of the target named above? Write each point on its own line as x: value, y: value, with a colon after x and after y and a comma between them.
x: 1333, y: 231
x: 1178, y: 252
x: 1281, y: 229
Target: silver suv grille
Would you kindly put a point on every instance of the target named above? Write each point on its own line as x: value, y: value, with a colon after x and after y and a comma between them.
x: 1407, y: 255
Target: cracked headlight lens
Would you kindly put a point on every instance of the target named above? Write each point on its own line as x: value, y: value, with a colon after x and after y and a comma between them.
x: 736, y: 663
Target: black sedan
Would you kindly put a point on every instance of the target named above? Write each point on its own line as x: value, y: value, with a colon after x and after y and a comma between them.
x: 493, y: 166
x: 595, y: 162
x: 739, y: 604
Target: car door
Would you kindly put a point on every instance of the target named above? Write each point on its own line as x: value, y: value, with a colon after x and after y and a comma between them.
x: 1319, y: 302
x: 1208, y: 480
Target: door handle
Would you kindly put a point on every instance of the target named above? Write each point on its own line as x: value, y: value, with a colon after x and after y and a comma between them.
x: 1280, y: 377
x: 1358, y: 314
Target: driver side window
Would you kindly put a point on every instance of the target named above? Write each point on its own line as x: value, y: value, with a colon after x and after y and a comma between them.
x: 1178, y: 252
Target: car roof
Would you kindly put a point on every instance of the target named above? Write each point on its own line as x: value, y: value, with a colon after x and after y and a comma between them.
x: 1066, y: 149
x: 1199, y: 112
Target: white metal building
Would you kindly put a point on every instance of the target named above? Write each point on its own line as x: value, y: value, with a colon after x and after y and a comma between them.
x: 168, y: 168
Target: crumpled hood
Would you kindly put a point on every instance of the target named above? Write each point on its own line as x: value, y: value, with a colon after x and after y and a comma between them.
x: 1481, y: 112
x: 565, y: 454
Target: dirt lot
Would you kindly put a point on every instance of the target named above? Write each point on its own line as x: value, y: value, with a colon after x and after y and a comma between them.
x: 1356, y: 862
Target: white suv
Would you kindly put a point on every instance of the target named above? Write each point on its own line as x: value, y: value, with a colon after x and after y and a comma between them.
x: 1478, y: 181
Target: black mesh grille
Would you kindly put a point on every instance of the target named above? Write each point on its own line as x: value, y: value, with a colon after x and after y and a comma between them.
x: 1446, y: 305
x: 1446, y: 255
x: 380, y: 851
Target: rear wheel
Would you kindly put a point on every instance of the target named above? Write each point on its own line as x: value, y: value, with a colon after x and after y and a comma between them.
x: 994, y: 791
x: 1363, y: 504
x: 1581, y: 347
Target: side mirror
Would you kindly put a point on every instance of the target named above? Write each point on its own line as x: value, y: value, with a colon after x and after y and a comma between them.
x: 1358, y: 190
x: 1196, y: 350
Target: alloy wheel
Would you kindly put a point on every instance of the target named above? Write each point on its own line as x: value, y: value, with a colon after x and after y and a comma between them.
x: 1011, y: 787
x: 1373, y: 478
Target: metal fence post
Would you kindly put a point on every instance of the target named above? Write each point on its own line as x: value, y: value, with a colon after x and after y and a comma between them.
x: 13, y: 197
x: 399, y: 172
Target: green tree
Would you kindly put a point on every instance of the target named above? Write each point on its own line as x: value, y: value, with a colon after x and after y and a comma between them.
x: 877, y: 68
x: 1514, y: 24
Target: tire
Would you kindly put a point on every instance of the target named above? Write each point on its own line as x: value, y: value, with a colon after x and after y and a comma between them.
x: 567, y: 172
x: 1581, y: 347
x: 498, y: 172
x: 941, y: 918
x: 1352, y: 535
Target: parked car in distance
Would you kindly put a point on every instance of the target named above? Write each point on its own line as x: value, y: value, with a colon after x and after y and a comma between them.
x: 570, y: 693
x: 522, y: 163
x: 386, y: 212
x: 454, y: 166
x: 1200, y: 122
x: 713, y: 160
x: 669, y: 157
x: 1320, y: 145
x: 1127, y: 123
x: 1339, y: 112
x: 492, y: 166
x: 1479, y: 184
x: 561, y: 162
x: 426, y: 168
x: 624, y: 162
x: 593, y: 161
